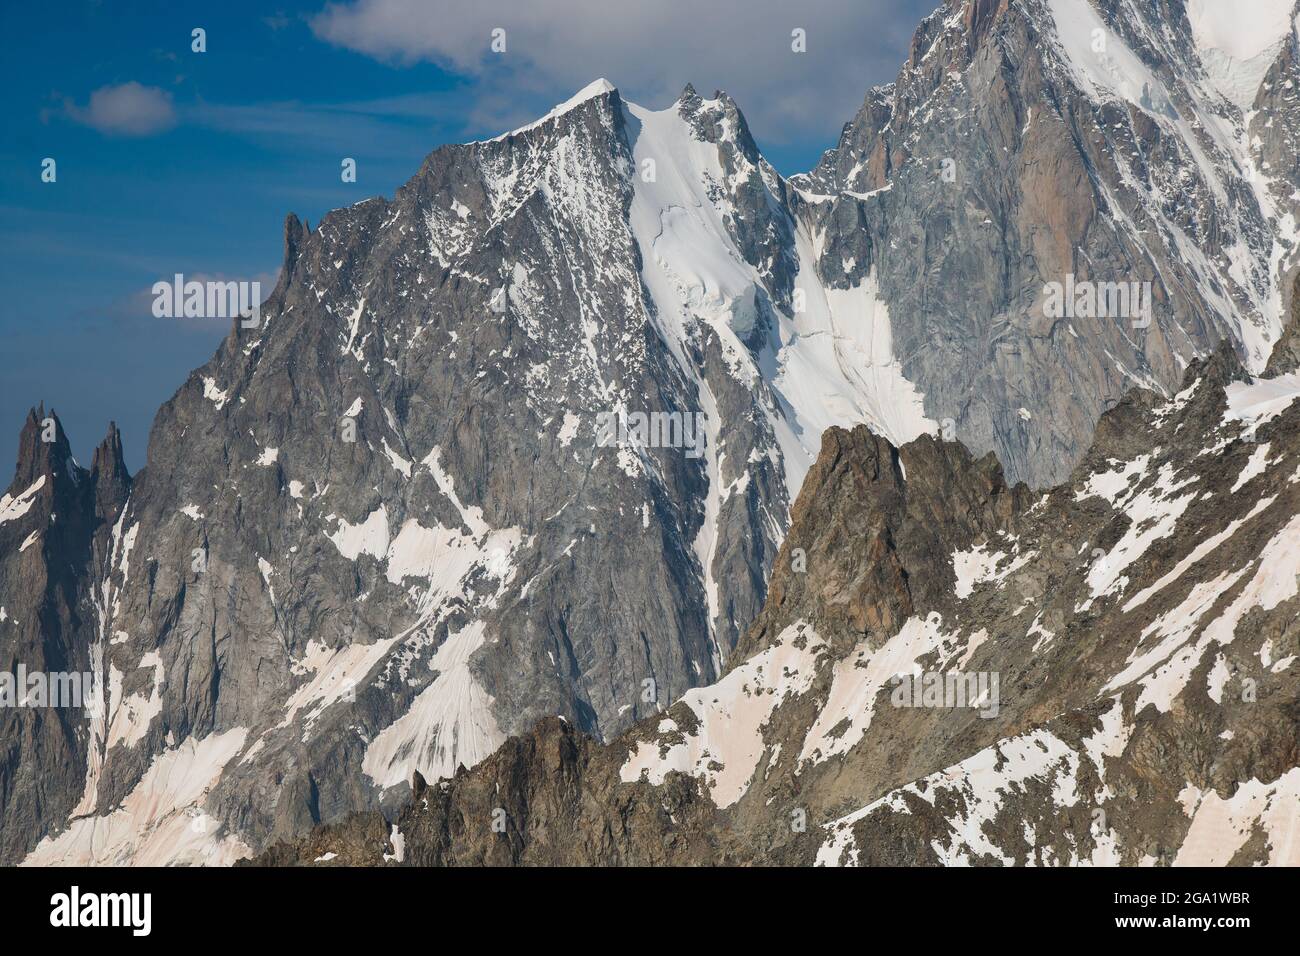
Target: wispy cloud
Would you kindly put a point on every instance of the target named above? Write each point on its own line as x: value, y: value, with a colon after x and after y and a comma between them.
x: 650, y: 50
x: 397, y: 121
x: 128, y: 109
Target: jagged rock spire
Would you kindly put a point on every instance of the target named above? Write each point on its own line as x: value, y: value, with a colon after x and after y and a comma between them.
x: 1286, y: 353
x: 109, y: 475
x: 43, y: 448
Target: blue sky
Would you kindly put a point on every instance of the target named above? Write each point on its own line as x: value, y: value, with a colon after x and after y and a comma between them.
x: 174, y: 161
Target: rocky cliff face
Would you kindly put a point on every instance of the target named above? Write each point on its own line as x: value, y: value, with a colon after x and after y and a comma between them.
x: 55, y: 521
x: 1128, y: 639
x: 1286, y: 354
x: 1031, y: 142
x: 523, y: 440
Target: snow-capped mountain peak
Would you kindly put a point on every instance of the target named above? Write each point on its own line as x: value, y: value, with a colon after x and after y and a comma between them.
x: 597, y: 87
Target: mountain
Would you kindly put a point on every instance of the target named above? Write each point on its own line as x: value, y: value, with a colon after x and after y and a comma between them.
x: 56, y: 524
x: 1031, y: 142
x: 961, y: 673
x: 389, y: 525
x: 524, y: 440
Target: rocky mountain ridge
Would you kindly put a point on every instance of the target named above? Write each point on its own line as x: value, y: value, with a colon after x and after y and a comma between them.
x: 1143, y: 620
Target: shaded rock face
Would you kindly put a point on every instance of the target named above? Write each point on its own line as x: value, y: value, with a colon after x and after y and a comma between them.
x: 1026, y: 142
x: 548, y: 798
x: 1140, y: 620
x: 55, y: 521
x: 884, y: 556
x: 1286, y: 354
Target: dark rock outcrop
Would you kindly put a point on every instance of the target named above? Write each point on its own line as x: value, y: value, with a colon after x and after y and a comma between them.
x: 55, y: 524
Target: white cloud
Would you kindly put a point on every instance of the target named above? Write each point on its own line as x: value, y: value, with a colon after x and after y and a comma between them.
x: 650, y: 50
x: 128, y: 109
